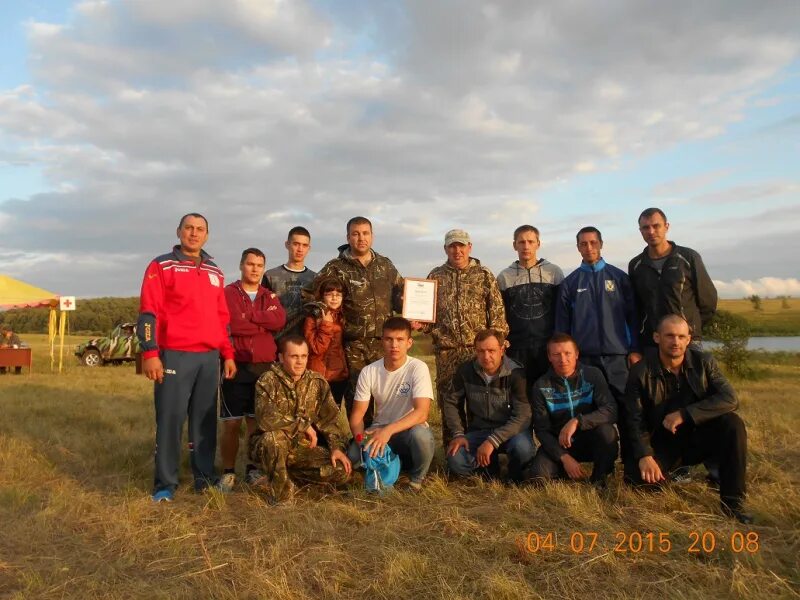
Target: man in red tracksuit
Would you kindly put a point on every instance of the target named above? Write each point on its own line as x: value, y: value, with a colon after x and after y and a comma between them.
x: 183, y: 330
x: 256, y: 315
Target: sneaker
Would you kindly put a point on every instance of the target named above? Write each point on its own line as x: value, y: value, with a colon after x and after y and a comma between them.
x: 681, y: 475
x: 737, y: 513
x: 226, y: 483
x: 414, y: 486
x: 164, y: 495
x: 253, y: 475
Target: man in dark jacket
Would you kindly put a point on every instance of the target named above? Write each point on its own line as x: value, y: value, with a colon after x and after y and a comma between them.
x: 573, y: 417
x: 679, y: 410
x: 529, y: 287
x: 374, y: 291
x: 488, y: 412
x: 669, y: 279
x: 256, y: 315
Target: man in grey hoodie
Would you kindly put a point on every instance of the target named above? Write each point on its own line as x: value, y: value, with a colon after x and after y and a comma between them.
x: 529, y: 287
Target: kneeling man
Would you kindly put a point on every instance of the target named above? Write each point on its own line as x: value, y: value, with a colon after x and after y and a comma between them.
x: 488, y: 412
x: 402, y: 389
x: 679, y: 410
x: 293, y: 405
x: 573, y: 417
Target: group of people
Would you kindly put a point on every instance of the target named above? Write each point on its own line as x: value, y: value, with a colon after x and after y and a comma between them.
x: 589, y: 363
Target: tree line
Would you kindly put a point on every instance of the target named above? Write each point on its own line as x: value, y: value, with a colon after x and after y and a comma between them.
x: 95, y: 316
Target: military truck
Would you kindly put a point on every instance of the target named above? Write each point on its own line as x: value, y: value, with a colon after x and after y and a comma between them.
x: 120, y: 346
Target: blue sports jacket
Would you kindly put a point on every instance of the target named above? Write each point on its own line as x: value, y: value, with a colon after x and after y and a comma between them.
x: 596, y: 306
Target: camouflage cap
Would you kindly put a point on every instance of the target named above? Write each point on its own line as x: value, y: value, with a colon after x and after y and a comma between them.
x: 457, y: 236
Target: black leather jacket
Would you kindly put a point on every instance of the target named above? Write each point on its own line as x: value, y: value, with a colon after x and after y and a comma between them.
x: 646, y: 396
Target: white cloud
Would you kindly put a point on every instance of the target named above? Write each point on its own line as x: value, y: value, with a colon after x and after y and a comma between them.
x: 268, y: 113
x: 764, y: 287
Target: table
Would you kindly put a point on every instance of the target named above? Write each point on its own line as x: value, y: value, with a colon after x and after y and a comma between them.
x: 16, y: 357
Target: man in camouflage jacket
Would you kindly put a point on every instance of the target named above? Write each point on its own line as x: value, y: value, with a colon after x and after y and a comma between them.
x: 467, y: 301
x: 293, y: 406
x: 373, y: 291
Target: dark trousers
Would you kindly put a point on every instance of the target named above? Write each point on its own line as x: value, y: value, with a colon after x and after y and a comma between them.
x: 598, y: 445
x: 190, y: 386
x: 359, y: 353
x: 533, y: 360
x: 615, y: 370
x: 723, y: 440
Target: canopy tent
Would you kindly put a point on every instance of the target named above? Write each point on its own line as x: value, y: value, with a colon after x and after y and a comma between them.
x: 18, y: 294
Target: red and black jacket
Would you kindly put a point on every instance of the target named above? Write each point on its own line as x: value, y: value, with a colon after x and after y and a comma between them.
x: 254, y: 322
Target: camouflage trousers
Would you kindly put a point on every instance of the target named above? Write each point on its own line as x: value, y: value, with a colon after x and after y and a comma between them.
x: 447, y: 362
x: 358, y: 354
x: 284, y: 460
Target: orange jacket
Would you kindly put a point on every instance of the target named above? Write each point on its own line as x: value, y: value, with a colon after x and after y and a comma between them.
x: 326, y: 351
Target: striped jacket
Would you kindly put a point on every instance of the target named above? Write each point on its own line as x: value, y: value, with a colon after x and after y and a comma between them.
x: 183, y: 307
x: 557, y: 399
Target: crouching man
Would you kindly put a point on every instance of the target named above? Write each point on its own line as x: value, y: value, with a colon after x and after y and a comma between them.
x: 573, y: 417
x: 488, y: 412
x: 679, y: 410
x: 293, y: 406
x: 401, y: 388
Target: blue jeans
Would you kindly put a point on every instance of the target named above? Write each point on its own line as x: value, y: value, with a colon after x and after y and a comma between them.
x: 519, y: 450
x: 414, y: 446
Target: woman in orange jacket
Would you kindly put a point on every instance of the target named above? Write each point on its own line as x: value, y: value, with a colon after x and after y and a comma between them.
x: 323, y: 332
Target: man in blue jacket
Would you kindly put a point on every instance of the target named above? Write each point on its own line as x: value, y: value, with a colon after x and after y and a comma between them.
x: 596, y: 306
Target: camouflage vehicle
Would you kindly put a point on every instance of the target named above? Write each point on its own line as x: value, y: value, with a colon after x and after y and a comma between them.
x: 121, y: 345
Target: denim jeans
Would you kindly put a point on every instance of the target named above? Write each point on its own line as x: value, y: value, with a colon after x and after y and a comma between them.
x: 414, y: 446
x: 519, y: 450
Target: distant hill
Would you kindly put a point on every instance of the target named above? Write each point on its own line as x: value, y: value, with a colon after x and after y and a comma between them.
x: 94, y: 316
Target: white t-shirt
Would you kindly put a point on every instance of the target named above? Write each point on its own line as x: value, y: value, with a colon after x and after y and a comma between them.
x: 393, y: 391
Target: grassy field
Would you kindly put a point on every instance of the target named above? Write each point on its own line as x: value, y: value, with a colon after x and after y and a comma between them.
x: 75, y: 476
x: 771, y: 320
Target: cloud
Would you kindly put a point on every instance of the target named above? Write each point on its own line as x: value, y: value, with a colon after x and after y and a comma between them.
x: 421, y: 115
x: 764, y: 287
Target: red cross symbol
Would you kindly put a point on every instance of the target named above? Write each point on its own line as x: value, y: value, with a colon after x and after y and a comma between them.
x: 67, y: 303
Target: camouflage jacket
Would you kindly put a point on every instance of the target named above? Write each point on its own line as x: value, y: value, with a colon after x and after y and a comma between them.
x: 467, y: 301
x: 373, y: 292
x: 283, y: 404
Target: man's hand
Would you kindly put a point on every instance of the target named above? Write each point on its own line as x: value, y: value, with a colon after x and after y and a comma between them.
x: 633, y: 358
x: 378, y: 440
x: 455, y: 444
x: 338, y: 455
x: 416, y: 325
x: 153, y: 369
x: 573, y: 467
x: 229, y: 368
x: 672, y: 421
x: 311, y: 436
x: 649, y: 470
x: 567, y: 431
x: 484, y: 454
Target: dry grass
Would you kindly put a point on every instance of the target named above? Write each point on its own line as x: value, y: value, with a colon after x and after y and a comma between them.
x: 76, y: 456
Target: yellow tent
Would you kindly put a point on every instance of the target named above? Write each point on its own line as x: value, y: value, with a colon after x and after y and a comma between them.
x: 18, y: 294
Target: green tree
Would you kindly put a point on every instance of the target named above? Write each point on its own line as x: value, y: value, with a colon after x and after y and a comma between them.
x: 756, y: 300
x: 732, y: 332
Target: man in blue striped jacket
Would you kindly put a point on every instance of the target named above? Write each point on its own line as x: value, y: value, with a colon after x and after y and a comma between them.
x: 573, y: 417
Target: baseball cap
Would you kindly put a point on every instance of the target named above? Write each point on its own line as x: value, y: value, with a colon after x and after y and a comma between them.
x: 456, y: 236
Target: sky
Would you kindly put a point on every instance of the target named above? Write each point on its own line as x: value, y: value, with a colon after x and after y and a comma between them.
x: 118, y: 117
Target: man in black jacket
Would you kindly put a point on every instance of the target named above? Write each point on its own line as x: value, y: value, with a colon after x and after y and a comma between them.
x: 487, y: 411
x: 669, y: 279
x: 679, y: 410
x: 573, y: 417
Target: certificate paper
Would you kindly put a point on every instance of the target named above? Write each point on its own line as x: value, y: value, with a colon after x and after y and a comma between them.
x: 419, y: 300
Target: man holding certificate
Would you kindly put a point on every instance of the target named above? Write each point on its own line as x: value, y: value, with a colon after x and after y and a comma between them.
x: 467, y: 301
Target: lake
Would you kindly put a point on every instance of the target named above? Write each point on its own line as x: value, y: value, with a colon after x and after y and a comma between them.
x: 771, y: 344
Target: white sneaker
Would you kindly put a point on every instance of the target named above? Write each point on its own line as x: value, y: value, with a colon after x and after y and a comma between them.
x: 226, y: 483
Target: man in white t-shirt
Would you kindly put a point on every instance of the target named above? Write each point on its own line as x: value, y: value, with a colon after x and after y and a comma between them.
x: 402, y: 389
